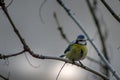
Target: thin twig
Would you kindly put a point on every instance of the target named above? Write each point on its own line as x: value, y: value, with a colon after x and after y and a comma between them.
x: 111, y: 11
x: 11, y: 55
x: 97, y: 50
x: 60, y: 71
x: 40, y: 10
x: 30, y: 62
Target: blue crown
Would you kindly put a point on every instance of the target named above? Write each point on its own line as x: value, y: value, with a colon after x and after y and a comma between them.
x: 81, y: 37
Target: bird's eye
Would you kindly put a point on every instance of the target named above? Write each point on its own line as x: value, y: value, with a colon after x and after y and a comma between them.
x: 82, y: 40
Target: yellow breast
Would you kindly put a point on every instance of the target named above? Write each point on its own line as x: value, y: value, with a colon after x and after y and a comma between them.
x: 77, y: 52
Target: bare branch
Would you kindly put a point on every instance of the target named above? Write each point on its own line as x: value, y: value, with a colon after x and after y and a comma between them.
x: 11, y: 55
x: 81, y: 28
x: 60, y: 71
x: 111, y: 11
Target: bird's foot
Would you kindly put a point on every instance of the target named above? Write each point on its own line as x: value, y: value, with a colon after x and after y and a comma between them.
x: 81, y: 64
x: 73, y: 61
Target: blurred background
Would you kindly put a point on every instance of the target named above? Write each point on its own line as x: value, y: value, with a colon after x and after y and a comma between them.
x: 35, y: 21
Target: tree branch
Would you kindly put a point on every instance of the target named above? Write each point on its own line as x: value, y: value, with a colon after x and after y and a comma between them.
x: 81, y: 28
x: 11, y: 55
x: 111, y: 11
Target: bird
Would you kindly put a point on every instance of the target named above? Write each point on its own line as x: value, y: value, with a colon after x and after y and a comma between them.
x: 76, y: 50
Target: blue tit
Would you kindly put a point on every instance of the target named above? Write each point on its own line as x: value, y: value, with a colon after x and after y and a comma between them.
x: 76, y: 50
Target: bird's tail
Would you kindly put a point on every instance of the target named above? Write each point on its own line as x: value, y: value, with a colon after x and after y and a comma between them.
x: 62, y: 55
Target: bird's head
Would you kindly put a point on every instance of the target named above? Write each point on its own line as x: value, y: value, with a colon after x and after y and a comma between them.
x: 81, y: 40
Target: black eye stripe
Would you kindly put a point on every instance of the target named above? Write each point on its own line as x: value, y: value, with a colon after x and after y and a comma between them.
x: 81, y: 40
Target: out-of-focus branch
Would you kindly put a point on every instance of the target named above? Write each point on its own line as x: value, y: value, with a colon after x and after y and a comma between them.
x: 111, y: 11
x: 100, y: 34
x: 60, y: 28
x: 116, y: 75
x: 30, y: 62
x: 40, y: 10
x: 60, y: 71
x: 4, y: 77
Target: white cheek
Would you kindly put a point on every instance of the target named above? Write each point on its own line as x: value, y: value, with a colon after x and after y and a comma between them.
x: 83, y: 43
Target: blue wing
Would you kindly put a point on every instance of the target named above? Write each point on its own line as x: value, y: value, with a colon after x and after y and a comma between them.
x: 68, y: 48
